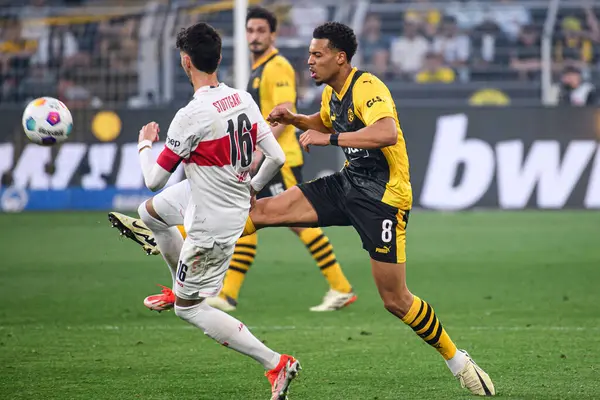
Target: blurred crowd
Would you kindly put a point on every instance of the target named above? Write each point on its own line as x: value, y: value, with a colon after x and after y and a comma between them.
x: 97, y: 58
x: 85, y: 61
x: 469, y: 40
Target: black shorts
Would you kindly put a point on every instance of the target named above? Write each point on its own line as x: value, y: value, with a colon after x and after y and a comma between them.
x: 382, y: 228
x: 286, y: 178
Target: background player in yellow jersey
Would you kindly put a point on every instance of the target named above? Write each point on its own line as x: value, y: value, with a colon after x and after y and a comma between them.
x: 273, y: 83
x: 372, y: 192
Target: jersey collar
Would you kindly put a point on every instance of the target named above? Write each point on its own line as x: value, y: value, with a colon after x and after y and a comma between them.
x: 206, y: 88
x: 264, y: 58
x: 346, y: 84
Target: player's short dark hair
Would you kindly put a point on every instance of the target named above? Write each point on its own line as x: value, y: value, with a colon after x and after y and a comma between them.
x: 341, y: 37
x: 203, y: 44
x: 262, y: 13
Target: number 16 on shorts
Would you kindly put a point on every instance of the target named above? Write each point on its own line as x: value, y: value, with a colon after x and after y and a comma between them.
x: 182, y: 271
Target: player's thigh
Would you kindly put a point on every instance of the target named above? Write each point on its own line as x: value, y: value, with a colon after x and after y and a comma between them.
x: 290, y: 208
x: 201, y: 270
x: 286, y: 178
x: 328, y: 198
x: 316, y: 203
x: 171, y: 203
x: 382, y: 228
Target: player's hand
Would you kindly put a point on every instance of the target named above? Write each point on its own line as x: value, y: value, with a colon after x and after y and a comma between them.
x: 256, y: 160
x: 313, y: 138
x: 149, y: 132
x: 281, y: 115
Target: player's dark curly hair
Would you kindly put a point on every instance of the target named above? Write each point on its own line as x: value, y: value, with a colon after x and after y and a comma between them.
x: 263, y: 13
x: 341, y: 37
x: 203, y: 44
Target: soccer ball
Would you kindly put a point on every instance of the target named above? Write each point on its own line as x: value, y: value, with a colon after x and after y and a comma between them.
x: 47, y: 121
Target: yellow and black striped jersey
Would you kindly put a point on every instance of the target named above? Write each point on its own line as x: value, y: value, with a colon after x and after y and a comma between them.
x: 273, y: 82
x: 381, y: 173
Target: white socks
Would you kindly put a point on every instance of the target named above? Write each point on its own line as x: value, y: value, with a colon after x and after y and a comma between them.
x: 168, y: 239
x: 458, y: 362
x: 216, y: 324
x: 228, y: 331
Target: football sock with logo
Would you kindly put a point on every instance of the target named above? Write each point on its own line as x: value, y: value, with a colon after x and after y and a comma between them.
x: 243, y: 257
x: 228, y: 331
x: 422, y: 319
x: 322, y: 251
x: 167, y: 238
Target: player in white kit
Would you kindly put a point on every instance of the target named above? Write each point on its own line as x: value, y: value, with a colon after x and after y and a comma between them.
x: 214, y: 136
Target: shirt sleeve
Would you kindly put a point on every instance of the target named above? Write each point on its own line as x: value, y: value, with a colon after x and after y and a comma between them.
x: 179, y: 141
x: 281, y: 82
x: 274, y: 159
x: 325, y: 117
x: 372, y: 100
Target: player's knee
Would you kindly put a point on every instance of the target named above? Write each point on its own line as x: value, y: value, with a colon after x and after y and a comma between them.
x: 148, y: 214
x: 143, y: 212
x: 398, y: 303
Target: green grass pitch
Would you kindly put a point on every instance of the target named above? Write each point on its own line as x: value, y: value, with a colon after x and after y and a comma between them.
x: 520, y: 291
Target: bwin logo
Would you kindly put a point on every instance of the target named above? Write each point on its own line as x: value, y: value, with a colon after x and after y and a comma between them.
x: 173, y: 142
x: 517, y: 173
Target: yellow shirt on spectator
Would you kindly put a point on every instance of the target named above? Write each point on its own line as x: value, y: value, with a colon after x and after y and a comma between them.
x: 441, y: 75
x: 11, y: 47
x: 432, y: 17
x: 581, y: 49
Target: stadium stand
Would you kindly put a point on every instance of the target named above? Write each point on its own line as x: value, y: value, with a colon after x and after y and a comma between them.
x: 116, y: 53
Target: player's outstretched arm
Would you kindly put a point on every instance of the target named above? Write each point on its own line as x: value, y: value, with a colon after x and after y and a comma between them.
x: 274, y: 159
x: 283, y: 115
x: 382, y: 133
x: 155, y: 174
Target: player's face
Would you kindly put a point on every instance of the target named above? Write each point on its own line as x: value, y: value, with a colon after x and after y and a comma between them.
x: 324, y: 62
x: 259, y: 35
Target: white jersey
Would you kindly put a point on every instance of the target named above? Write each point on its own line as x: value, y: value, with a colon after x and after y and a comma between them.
x: 215, y: 136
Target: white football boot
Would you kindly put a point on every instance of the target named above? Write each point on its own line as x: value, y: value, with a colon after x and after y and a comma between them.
x: 335, y: 300
x: 475, y: 379
x: 136, y: 230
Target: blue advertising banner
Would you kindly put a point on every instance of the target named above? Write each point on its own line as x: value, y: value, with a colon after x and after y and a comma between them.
x: 14, y: 199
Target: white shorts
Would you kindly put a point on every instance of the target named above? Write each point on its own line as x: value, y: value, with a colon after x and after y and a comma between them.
x: 201, y: 270
x: 172, y: 203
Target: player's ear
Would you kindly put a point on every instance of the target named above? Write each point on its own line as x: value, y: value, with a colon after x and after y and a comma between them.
x: 341, y: 58
x: 186, y: 61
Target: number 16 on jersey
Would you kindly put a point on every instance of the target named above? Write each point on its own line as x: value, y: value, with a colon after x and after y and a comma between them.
x: 242, y: 138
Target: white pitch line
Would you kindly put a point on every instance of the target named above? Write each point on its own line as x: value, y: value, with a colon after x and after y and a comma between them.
x: 297, y: 328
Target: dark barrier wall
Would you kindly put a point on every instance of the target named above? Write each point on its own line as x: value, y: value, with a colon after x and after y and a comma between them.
x: 499, y: 158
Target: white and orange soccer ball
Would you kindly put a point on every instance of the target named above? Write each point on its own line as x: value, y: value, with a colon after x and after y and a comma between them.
x: 47, y: 121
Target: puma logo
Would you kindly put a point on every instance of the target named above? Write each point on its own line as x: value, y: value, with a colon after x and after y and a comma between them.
x: 383, y: 250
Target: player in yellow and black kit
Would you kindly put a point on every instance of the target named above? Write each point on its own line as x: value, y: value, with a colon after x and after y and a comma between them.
x: 372, y: 193
x: 273, y: 83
